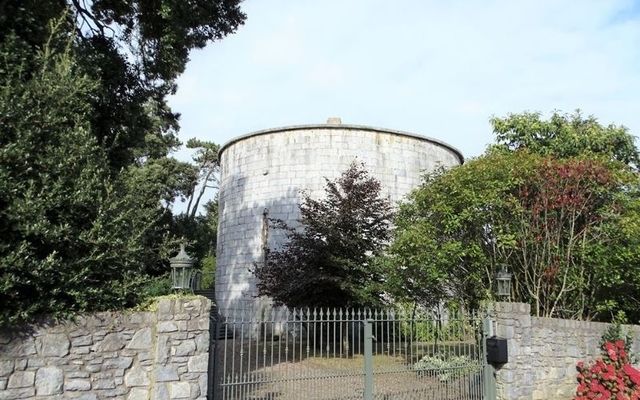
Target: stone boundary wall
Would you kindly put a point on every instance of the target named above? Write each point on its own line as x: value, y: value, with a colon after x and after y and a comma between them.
x: 543, y: 352
x: 162, y: 354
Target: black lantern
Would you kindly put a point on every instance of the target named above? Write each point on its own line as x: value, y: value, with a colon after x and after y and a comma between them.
x: 503, y: 279
x: 181, y: 270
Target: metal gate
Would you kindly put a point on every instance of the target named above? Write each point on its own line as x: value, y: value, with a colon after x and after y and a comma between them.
x: 350, y: 354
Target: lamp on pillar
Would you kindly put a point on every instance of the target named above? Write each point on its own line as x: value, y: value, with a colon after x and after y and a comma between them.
x: 181, y: 270
x: 503, y: 279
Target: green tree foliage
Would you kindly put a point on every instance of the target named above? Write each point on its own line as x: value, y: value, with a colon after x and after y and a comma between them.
x: 209, y: 272
x: 200, y: 229
x: 328, y: 261
x: 565, y: 135
x: 208, y: 165
x: 564, y: 223
x: 134, y: 51
x: 85, y: 133
x: 73, y: 239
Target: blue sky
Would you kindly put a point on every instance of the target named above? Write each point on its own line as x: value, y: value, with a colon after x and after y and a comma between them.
x: 436, y: 68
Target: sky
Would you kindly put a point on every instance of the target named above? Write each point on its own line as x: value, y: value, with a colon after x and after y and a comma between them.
x: 436, y: 68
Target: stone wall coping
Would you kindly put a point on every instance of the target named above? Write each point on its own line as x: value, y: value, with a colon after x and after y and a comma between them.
x: 547, y: 322
x: 237, y: 139
x: 566, y: 323
x: 506, y: 307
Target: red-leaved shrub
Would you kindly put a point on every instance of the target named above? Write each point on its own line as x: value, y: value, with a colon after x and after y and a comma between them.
x: 611, y: 377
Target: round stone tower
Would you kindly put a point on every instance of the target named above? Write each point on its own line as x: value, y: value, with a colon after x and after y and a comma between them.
x: 262, y: 174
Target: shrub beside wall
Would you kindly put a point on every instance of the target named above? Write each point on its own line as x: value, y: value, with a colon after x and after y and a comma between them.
x: 162, y: 354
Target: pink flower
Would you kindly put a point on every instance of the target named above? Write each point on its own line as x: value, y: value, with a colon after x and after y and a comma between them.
x: 611, y: 351
x: 610, y: 378
x: 632, y: 373
x: 623, y: 354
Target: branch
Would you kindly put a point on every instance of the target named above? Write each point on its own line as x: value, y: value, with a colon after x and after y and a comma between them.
x: 190, y: 201
x: 202, y: 190
x: 89, y: 19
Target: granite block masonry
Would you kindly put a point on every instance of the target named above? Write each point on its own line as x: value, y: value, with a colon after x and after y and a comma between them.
x: 161, y: 354
x: 543, y: 352
x: 263, y: 173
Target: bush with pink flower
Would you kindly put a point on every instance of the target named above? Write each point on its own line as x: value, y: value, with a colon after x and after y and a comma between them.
x: 611, y: 377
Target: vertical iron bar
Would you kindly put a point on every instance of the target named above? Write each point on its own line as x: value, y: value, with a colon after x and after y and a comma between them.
x: 309, y: 323
x: 394, y: 334
x: 339, y: 318
x: 321, y: 333
x: 213, y: 344
x: 315, y: 330
x: 233, y: 350
x: 294, y: 337
x: 359, y: 341
x: 273, y: 332
x: 265, y: 325
x: 256, y: 328
x: 352, y: 338
x: 301, y: 335
x: 286, y: 338
x: 333, y: 323
x: 368, y: 360
x: 283, y: 331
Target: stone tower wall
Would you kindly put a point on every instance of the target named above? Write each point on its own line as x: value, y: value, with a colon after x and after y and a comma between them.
x: 266, y: 170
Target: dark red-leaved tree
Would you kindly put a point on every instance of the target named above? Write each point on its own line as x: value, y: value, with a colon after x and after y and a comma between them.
x: 560, y: 229
x: 327, y: 260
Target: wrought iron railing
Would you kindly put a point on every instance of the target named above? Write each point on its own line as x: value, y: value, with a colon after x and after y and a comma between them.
x: 349, y: 354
